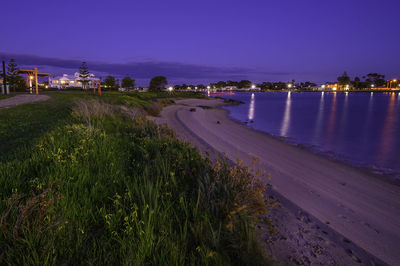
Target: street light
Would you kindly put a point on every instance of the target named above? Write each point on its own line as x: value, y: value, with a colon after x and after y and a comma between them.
x: 170, y: 89
x: 289, y: 85
x: 253, y: 86
x: 208, y: 87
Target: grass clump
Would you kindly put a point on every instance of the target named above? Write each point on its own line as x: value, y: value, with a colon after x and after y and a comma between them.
x: 107, y: 186
x: 153, y: 109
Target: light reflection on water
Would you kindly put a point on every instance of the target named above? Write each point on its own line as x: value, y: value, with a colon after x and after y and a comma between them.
x: 252, y: 107
x: 360, y: 127
x: 387, y: 133
x: 318, y: 124
x: 286, y: 116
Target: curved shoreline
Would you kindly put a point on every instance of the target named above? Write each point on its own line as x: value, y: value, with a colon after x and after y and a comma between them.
x: 393, y: 177
x: 355, y: 204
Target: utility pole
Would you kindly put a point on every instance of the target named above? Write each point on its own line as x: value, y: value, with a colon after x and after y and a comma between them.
x: 4, y: 78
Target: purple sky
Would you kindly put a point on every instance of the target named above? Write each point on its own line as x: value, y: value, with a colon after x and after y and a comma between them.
x: 208, y: 40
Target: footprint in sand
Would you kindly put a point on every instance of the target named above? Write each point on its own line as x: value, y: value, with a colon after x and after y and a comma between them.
x: 370, y: 227
x: 345, y: 240
x: 353, y: 257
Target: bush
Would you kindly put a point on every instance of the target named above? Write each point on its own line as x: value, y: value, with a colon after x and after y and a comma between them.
x: 153, y: 109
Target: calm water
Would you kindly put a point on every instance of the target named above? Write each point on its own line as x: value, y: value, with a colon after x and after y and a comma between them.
x: 362, y: 128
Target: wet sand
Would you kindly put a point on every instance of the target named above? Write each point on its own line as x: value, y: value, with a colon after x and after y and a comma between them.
x: 330, y: 212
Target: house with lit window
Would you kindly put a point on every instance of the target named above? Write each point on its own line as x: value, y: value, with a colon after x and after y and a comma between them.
x: 66, y: 81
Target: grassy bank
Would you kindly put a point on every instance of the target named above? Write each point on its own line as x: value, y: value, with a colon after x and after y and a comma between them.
x: 2, y: 97
x: 89, y: 181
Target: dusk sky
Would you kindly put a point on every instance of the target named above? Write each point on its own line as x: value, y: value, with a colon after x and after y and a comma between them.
x: 205, y: 41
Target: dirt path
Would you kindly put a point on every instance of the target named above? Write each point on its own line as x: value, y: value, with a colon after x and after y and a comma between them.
x: 22, y: 99
x: 329, y: 209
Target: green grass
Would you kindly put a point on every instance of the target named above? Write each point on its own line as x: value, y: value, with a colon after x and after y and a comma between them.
x: 2, y: 97
x: 88, y: 182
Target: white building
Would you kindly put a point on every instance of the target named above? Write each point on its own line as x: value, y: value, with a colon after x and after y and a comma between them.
x: 66, y: 81
x: 252, y: 88
x: 228, y: 88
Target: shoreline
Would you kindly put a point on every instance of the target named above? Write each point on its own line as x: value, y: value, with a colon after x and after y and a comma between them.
x: 389, y: 175
x: 350, y: 206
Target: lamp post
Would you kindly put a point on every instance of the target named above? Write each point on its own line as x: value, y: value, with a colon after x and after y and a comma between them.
x: 30, y: 84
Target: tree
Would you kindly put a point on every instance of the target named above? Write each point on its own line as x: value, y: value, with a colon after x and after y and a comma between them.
x: 375, y: 79
x: 344, y: 79
x: 244, y: 84
x: 266, y: 86
x: 158, y: 83
x: 84, y: 75
x: 127, y: 82
x: 231, y: 83
x: 13, y: 77
x: 110, y: 82
x: 220, y: 84
x: 356, y: 83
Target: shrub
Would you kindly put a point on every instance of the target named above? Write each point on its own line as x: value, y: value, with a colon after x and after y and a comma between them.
x: 153, y: 109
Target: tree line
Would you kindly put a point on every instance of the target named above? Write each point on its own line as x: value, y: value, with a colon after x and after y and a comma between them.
x: 157, y: 83
x: 367, y: 81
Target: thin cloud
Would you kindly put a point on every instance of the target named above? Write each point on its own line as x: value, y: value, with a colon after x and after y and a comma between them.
x: 147, y: 69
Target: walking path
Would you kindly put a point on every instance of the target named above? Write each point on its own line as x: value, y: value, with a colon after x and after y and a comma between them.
x: 22, y: 99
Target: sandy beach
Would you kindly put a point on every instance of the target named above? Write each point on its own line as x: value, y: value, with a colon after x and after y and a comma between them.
x: 329, y: 212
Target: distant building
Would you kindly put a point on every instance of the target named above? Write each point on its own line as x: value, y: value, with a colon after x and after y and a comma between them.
x: 66, y: 81
x: 252, y: 88
x: 228, y: 88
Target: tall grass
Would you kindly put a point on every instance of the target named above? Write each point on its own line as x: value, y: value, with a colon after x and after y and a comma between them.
x: 110, y: 187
